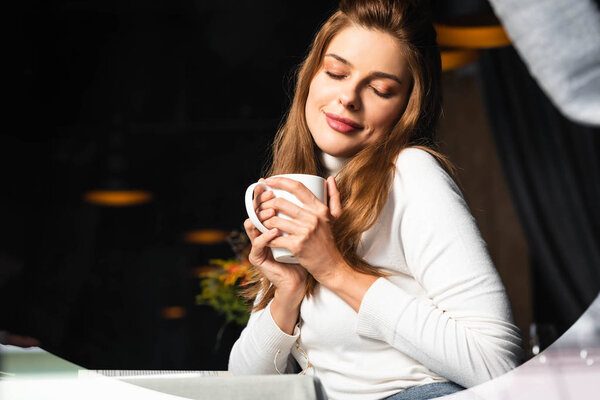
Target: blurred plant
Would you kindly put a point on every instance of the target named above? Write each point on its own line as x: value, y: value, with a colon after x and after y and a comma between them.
x: 222, y: 281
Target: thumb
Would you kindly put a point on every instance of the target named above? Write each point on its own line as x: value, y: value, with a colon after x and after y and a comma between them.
x: 335, y: 205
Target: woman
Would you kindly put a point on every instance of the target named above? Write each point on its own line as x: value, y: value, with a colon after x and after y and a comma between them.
x: 395, y: 293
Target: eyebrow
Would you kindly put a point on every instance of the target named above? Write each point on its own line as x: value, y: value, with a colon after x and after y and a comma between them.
x: 378, y: 74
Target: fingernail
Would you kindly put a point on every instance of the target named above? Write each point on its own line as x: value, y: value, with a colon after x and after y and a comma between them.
x: 273, y: 231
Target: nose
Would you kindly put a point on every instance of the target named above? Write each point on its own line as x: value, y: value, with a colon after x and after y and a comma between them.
x: 349, y: 98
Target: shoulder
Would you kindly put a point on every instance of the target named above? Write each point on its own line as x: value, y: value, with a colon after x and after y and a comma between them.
x: 413, y: 158
x: 415, y: 154
x: 419, y: 172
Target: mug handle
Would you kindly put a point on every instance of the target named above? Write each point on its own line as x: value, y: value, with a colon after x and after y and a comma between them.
x: 250, y: 206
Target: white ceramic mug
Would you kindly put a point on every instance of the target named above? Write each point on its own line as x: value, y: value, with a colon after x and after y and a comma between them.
x: 314, y: 183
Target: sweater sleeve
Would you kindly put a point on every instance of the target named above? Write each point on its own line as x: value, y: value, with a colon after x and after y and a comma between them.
x: 462, y: 328
x: 255, y: 350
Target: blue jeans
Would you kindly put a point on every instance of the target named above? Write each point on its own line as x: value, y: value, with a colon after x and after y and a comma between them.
x: 428, y: 391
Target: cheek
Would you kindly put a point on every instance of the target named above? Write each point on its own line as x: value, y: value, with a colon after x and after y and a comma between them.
x: 320, y: 92
x: 311, y: 110
x: 317, y: 98
x: 310, y: 107
x: 385, y: 116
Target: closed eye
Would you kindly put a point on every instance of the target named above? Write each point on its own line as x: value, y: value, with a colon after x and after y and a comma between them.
x: 334, y: 76
x: 380, y: 94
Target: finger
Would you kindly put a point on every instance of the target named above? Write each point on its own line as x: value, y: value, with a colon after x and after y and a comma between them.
x: 258, y: 190
x: 261, y: 198
x: 284, y: 242
x: 285, y: 225
x: 266, y: 214
x: 261, y: 241
x: 296, y: 188
x: 335, y: 204
x: 260, y: 253
x: 288, y: 208
x: 251, y: 230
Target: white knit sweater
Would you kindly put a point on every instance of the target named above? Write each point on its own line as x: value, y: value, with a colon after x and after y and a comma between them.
x: 442, y: 315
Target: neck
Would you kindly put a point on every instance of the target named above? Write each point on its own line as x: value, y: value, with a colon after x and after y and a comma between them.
x: 332, y: 164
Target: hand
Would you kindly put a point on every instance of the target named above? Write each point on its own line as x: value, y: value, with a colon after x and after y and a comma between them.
x: 289, y: 279
x: 310, y: 237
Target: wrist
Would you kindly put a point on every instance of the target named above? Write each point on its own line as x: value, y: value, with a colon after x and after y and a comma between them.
x: 289, y: 302
x: 350, y: 285
x: 337, y: 276
x: 285, y: 313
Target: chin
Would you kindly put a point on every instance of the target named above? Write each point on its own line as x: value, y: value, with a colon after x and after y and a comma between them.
x: 337, y: 152
x: 331, y: 146
x: 346, y: 154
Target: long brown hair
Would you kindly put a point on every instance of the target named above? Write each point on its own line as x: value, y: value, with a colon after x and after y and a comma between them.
x: 365, y: 181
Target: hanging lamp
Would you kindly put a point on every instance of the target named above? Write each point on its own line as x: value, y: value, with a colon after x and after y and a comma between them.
x: 206, y: 236
x: 460, y: 39
x: 114, y: 189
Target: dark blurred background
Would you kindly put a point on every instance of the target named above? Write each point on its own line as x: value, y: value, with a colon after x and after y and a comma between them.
x: 182, y: 99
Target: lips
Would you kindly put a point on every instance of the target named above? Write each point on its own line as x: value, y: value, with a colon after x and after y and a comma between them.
x: 341, y: 124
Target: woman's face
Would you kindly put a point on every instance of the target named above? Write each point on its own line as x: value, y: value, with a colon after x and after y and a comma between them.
x: 359, y: 91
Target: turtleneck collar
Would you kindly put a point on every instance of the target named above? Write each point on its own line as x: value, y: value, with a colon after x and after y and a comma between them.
x: 332, y: 164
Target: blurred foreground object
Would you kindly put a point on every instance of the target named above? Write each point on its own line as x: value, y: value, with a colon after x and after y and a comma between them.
x: 559, y: 41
